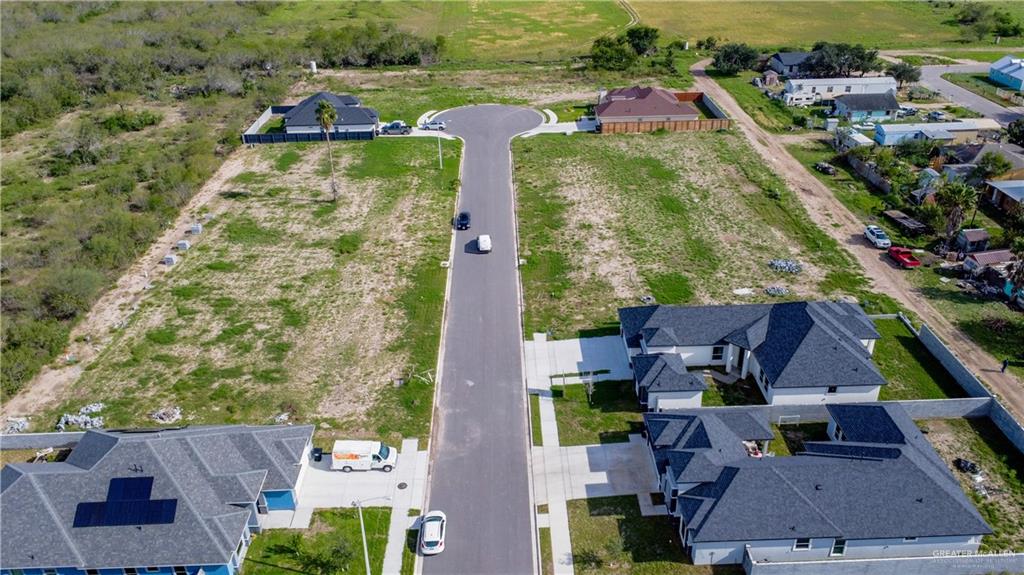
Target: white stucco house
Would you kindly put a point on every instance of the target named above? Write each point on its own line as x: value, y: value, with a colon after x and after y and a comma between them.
x: 878, y: 491
x: 796, y: 352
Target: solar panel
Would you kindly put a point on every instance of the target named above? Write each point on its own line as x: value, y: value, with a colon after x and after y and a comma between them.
x: 128, y: 503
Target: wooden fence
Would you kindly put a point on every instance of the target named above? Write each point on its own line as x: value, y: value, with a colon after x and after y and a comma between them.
x: 1010, y: 95
x: 672, y: 126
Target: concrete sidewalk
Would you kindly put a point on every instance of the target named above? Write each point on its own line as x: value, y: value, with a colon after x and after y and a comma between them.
x: 567, y: 128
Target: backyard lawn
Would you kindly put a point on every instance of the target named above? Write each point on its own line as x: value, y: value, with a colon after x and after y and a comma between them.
x: 610, y: 537
x: 742, y: 392
x: 609, y: 417
x: 980, y: 85
x: 908, y: 366
x: 979, y: 440
x: 789, y: 439
x: 332, y: 544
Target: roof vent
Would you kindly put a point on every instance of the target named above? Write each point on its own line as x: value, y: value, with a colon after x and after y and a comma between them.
x: 817, y: 487
x: 920, y: 500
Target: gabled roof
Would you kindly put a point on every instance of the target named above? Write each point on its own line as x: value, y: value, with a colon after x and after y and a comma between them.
x: 798, y: 344
x: 665, y: 372
x: 348, y: 108
x: 791, y: 58
x: 972, y: 153
x: 947, y: 127
x: 640, y: 102
x: 211, y: 473
x: 869, y: 102
x: 1011, y: 188
x: 974, y: 234
x: 850, y: 490
x: 1010, y: 65
x: 992, y: 257
x: 866, y: 423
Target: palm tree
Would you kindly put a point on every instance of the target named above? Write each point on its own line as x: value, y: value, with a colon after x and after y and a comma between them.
x: 1016, y: 268
x: 955, y: 198
x: 326, y: 115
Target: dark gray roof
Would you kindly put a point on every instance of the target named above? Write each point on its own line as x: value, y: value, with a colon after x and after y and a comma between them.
x: 850, y: 490
x: 869, y: 102
x: 212, y: 472
x: 791, y: 58
x: 665, y: 372
x: 866, y: 423
x: 972, y: 153
x: 349, y: 110
x: 798, y: 344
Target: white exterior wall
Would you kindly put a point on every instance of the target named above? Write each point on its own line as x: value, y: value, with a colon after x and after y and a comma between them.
x: 659, y: 400
x: 782, y: 550
x: 811, y: 395
x: 818, y: 88
x: 694, y: 356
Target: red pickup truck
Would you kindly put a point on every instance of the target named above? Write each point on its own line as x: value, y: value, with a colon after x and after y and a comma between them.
x: 904, y: 257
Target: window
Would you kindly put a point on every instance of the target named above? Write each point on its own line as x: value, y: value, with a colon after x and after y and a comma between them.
x: 92, y: 572
x: 832, y: 389
x: 717, y: 353
x: 179, y: 570
x: 838, y: 548
x: 49, y: 572
x: 152, y: 569
x: 761, y: 377
x: 829, y: 90
x: 130, y: 571
x: 802, y: 544
x: 838, y: 433
x: 814, y: 89
x: 848, y: 89
x: 910, y: 539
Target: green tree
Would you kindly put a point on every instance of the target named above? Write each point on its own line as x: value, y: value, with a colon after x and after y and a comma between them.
x: 955, y: 198
x: 828, y: 60
x: 1016, y: 269
x: 611, y: 54
x: 917, y: 152
x: 904, y: 73
x: 643, y: 39
x: 991, y: 165
x: 1015, y: 132
x: 732, y: 58
x: 326, y: 115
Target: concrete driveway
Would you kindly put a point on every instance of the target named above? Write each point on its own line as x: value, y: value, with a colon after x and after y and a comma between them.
x: 546, y: 359
x: 931, y: 77
x: 480, y: 474
x: 595, y: 470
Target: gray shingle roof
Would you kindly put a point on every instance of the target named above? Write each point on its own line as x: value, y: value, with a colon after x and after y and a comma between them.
x: 798, y: 344
x: 349, y: 110
x: 791, y: 58
x: 869, y: 102
x: 208, y: 470
x: 665, y: 372
x: 850, y: 490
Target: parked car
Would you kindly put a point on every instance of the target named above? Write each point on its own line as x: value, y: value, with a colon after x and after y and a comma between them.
x: 432, y: 528
x: 434, y: 125
x: 877, y: 237
x: 354, y: 455
x: 937, y: 116
x: 907, y: 111
x: 904, y: 257
x: 825, y: 168
x: 864, y: 126
x: 396, y: 127
x: 483, y: 244
x: 462, y: 221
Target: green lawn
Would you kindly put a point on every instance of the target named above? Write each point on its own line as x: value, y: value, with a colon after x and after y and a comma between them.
x: 879, y: 24
x: 333, y: 534
x: 789, y: 439
x: 977, y: 55
x: 611, y: 415
x: 769, y: 113
x: 926, y: 60
x: 979, y: 440
x: 778, y: 443
x: 538, y: 438
x: 610, y: 537
x: 910, y: 369
x: 547, y: 562
x: 980, y: 85
x: 409, y: 551
x: 742, y: 392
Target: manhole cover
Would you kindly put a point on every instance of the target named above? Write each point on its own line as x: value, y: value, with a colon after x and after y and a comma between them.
x: 403, y: 485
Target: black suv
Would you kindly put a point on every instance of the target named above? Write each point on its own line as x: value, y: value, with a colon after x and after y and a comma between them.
x: 462, y: 221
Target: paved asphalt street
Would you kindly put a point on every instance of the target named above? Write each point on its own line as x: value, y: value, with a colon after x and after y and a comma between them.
x: 479, y: 467
x: 931, y: 76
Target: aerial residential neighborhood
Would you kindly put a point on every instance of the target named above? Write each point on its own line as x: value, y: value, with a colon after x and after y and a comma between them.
x: 547, y: 287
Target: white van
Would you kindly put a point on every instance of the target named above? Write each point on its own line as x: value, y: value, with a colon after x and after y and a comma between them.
x: 483, y: 244
x: 349, y: 455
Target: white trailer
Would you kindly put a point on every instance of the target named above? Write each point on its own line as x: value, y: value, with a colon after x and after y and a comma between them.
x: 351, y: 455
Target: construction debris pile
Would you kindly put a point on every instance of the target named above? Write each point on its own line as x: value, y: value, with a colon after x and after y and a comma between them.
x: 16, y: 425
x: 776, y: 290
x: 83, y: 418
x: 166, y: 415
x: 786, y: 266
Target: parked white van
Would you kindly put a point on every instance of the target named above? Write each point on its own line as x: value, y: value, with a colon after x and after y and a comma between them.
x: 350, y: 455
x: 483, y: 243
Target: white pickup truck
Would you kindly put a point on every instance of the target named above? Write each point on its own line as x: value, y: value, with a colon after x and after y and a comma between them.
x: 351, y: 455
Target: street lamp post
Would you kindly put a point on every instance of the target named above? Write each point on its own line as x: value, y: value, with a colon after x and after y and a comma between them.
x: 362, y: 529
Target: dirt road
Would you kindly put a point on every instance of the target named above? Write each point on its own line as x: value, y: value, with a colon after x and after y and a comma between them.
x: 833, y: 217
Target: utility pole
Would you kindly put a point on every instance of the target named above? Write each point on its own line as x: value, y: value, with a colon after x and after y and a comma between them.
x: 362, y: 529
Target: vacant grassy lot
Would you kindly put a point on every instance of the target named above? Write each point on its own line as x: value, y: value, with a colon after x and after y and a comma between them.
x: 979, y: 440
x: 610, y: 537
x: 977, y: 55
x: 289, y: 302
x: 908, y: 366
x: 609, y: 417
x: 926, y: 60
x: 333, y: 534
x: 769, y: 113
x: 880, y: 24
x: 980, y: 85
x: 685, y: 217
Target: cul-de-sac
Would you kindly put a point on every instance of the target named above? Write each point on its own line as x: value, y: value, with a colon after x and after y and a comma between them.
x: 530, y: 287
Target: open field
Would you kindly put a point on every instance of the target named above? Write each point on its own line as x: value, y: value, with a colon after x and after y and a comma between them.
x: 980, y: 85
x: 880, y: 24
x: 333, y: 534
x: 685, y: 217
x: 271, y: 309
x: 611, y: 414
x: 610, y: 537
x: 908, y: 366
x: 980, y: 441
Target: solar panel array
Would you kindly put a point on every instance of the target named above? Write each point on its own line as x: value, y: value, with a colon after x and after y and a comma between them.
x: 128, y: 503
